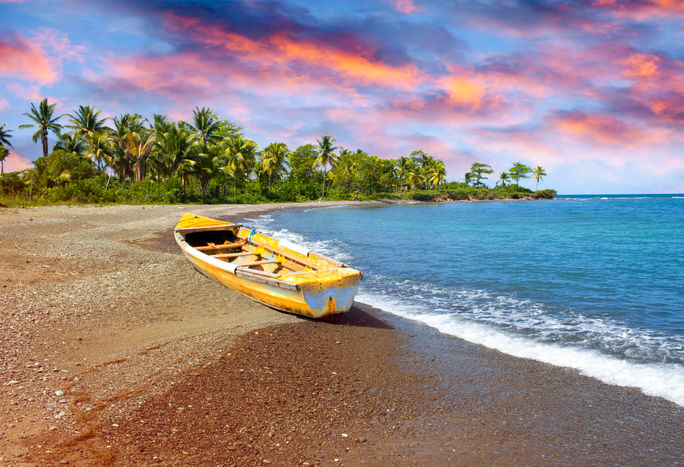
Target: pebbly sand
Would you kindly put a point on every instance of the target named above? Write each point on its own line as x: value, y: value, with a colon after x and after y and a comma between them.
x: 114, y: 350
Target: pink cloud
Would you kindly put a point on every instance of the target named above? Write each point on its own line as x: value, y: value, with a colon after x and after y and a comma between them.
x: 279, y: 51
x: 641, y: 10
x: 31, y: 93
x: 405, y: 6
x: 21, y: 58
x: 15, y: 162
x: 58, y: 44
x: 604, y: 129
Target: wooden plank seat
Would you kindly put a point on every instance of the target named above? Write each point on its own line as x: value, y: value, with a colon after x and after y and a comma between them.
x: 258, y: 263
x: 235, y: 255
x: 208, y: 228
x: 221, y: 246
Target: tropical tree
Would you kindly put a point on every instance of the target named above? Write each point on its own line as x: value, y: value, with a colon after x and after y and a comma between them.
x: 423, y: 163
x: 161, y: 123
x: 273, y: 160
x: 100, y: 149
x: 479, y: 172
x: 122, y: 160
x: 5, y: 135
x: 70, y: 144
x: 86, y: 121
x: 415, y: 177
x: 45, y: 120
x: 538, y: 174
x: 345, y: 174
x: 206, y: 125
x: 518, y: 171
x: 132, y: 142
x: 403, y: 167
x: 437, y: 174
x: 206, y: 162
x: 326, y: 156
x: 4, y: 152
x: 301, y: 164
x: 503, y: 178
x: 239, y: 152
x: 140, y: 146
x: 174, y: 144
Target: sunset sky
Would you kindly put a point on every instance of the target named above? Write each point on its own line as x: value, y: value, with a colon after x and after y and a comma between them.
x: 591, y: 90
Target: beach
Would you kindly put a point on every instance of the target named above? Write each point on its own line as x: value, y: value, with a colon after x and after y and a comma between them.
x: 115, y: 350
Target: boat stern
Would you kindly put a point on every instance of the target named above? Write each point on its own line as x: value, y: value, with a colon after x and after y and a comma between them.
x: 329, y: 297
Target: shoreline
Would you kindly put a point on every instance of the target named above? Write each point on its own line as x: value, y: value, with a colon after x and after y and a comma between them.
x: 108, y: 324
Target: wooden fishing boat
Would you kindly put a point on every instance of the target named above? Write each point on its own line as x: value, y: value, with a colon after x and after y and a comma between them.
x: 278, y: 274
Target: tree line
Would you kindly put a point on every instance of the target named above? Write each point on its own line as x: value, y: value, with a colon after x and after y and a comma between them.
x: 130, y: 158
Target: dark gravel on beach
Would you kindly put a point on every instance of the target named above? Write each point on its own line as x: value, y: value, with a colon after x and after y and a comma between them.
x: 312, y: 391
x: 360, y: 391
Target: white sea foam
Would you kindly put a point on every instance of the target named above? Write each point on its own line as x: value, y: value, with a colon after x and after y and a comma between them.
x: 333, y: 248
x: 664, y: 380
x: 535, y: 320
x: 521, y: 328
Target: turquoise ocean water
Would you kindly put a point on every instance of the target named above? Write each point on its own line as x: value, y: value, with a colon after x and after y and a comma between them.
x: 594, y: 283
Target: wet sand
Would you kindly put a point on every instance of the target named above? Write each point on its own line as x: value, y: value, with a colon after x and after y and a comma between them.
x: 114, y: 350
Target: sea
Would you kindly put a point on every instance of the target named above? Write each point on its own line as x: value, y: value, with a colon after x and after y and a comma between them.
x: 594, y: 283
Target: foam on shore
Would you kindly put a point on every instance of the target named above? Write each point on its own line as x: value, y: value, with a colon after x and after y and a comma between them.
x: 480, y: 318
x: 654, y: 379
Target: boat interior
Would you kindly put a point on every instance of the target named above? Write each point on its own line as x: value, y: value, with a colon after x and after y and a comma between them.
x: 226, y: 244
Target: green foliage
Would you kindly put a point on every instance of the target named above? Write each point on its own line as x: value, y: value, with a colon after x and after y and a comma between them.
x: 210, y: 160
x: 479, y: 172
x: 12, y: 184
x: 518, y: 171
x: 546, y: 194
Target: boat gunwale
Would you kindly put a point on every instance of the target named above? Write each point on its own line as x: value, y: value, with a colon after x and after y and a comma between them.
x: 230, y: 267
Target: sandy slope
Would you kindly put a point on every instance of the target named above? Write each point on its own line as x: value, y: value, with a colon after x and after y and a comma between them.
x: 97, y: 301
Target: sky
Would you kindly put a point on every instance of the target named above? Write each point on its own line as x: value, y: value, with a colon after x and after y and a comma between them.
x: 591, y: 90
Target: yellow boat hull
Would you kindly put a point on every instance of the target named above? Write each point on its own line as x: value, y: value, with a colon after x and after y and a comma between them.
x: 319, y: 288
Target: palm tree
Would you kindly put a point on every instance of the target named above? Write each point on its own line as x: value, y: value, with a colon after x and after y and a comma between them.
x: 239, y: 152
x: 85, y: 121
x: 70, y: 144
x: 405, y: 164
x: 121, y: 160
x: 326, y: 156
x: 161, y: 123
x: 140, y: 146
x: 5, y: 135
x: 415, y: 177
x: 206, y: 162
x: 129, y: 131
x: 437, y: 174
x: 206, y: 125
x: 538, y: 174
x: 100, y: 149
x: 423, y: 163
x: 273, y: 159
x: 172, y: 147
x: 45, y: 121
x: 503, y: 178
